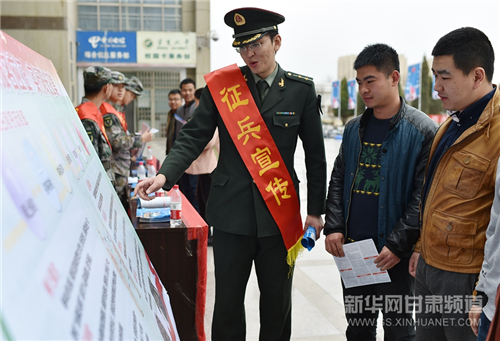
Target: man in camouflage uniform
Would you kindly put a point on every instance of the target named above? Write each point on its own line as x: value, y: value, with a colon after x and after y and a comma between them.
x: 98, y: 85
x: 133, y: 89
x: 121, y: 141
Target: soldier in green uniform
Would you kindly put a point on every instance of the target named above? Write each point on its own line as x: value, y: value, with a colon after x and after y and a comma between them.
x: 98, y: 84
x: 117, y: 130
x: 245, y: 232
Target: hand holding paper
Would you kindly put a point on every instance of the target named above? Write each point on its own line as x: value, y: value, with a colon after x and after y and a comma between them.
x: 357, y: 268
x: 146, y: 137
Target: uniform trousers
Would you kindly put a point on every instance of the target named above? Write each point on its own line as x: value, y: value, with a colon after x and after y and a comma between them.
x: 233, y: 257
x: 187, y: 184
x: 202, y: 192
x: 121, y: 182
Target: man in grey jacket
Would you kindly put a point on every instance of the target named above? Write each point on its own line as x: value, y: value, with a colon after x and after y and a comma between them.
x: 489, y: 277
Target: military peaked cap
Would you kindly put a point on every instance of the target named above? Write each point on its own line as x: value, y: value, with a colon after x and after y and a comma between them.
x: 250, y: 24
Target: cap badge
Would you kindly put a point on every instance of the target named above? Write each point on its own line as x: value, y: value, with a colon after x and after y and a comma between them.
x: 239, y: 19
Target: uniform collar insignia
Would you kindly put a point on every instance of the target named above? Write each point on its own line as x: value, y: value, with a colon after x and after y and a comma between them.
x: 281, y: 83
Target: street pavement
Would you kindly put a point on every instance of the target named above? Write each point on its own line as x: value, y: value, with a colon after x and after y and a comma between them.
x: 317, y: 305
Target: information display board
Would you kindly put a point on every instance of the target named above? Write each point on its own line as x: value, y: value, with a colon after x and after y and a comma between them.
x: 72, y: 266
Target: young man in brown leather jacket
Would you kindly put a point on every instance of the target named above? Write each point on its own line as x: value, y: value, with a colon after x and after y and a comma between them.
x: 459, y: 186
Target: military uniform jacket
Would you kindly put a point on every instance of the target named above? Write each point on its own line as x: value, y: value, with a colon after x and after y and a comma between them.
x: 91, y: 119
x: 235, y: 205
x: 121, y: 141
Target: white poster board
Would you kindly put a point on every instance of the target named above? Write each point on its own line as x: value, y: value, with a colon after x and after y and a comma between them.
x: 72, y: 266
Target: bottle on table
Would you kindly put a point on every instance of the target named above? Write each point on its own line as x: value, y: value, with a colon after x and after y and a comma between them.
x: 175, y: 207
x: 151, y: 169
x: 141, y: 171
x: 150, y: 165
x: 148, y: 154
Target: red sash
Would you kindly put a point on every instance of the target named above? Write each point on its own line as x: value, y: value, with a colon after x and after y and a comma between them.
x: 89, y: 111
x: 256, y: 147
x: 107, y: 108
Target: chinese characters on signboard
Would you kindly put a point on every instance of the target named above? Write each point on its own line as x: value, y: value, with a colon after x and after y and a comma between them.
x: 172, y: 48
x: 160, y: 48
x: 107, y: 47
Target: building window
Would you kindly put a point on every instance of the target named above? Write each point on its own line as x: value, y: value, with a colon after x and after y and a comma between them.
x: 152, y: 18
x: 169, y: 15
x: 129, y: 15
x: 87, y: 17
x: 131, y: 18
x: 109, y: 18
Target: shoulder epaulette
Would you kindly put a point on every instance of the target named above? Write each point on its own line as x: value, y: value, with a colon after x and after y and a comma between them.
x: 301, y: 78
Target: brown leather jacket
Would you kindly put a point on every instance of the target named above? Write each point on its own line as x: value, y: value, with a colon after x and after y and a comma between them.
x: 459, y: 199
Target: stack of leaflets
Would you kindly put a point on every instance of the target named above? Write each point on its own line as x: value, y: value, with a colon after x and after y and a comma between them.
x: 153, y: 215
x: 156, y: 210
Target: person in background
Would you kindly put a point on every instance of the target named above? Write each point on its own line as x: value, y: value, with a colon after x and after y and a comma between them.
x: 188, y: 182
x: 174, y: 102
x: 459, y: 185
x: 121, y: 141
x: 197, y: 96
x: 98, y: 85
x: 489, y: 278
x: 245, y: 231
x: 375, y: 191
x: 133, y: 89
x: 203, y: 166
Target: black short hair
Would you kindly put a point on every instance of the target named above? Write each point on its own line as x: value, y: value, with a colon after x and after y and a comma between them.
x: 382, y: 56
x: 272, y: 34
x: 470, y: 48
x: 187, y: 81
x: 174, y: 92
x: 92, y: 91
x: 198, y: 93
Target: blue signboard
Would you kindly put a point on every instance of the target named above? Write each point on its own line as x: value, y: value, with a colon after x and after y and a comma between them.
x: 106, y: 47
x: 351, y: 89
x: 434, y: 92
x: 335, y: 94
x: 412, y: 88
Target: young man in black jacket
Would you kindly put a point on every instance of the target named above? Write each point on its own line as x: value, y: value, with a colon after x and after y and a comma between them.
x: 375, y: 191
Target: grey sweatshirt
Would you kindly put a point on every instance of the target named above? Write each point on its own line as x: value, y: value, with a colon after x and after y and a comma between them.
x: 489, y: 277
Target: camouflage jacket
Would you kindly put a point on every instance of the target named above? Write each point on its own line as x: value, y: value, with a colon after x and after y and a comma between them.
x: 98, y: 140
x: 121, y: 142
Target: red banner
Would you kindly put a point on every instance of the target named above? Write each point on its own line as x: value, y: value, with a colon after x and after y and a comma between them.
x: 260, y: 154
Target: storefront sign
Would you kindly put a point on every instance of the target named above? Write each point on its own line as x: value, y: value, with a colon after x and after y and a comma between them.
x: 106, y: 47
x: 168, y: 48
